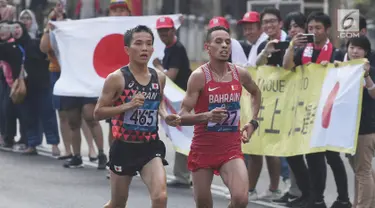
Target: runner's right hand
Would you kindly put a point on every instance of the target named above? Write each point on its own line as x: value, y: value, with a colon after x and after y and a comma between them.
x: 217, y: 115
x: 137, y: 100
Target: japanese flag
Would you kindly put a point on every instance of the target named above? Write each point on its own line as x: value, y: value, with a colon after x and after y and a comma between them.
x: 90, y: 49
x: 338, y: 109
x: 155, y: 86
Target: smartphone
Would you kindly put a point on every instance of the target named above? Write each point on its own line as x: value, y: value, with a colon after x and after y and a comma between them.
x: 282, y: 45
x: 309, y: 38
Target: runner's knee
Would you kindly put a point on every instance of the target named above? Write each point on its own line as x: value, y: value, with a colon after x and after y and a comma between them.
x: 204, y: 201
x: 159, y: 198
x: 239, y: 200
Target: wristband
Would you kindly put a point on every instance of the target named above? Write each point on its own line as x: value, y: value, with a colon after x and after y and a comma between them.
x: 291, y: 44
x: 255, y: 123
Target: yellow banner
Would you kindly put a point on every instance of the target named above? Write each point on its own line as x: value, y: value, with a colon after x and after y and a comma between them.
x: 287, y: 113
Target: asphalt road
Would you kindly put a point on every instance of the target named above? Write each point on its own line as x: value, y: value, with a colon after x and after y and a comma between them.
x: 42, y: 182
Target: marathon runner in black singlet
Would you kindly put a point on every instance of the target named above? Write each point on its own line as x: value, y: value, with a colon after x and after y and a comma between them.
x: 133, y: 96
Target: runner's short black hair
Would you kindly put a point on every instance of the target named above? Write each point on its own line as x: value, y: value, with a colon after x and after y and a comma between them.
x: 128, y: 37
x: 213, y: 29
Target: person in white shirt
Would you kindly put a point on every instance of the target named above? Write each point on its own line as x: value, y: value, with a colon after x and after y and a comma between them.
x: 254, y: 35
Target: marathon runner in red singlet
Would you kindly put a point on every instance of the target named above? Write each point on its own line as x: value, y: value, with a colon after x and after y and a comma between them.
x: 132, y: 96
x: 214, y: 92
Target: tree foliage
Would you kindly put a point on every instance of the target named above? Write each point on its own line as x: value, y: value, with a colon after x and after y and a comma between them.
x: 366, y: 7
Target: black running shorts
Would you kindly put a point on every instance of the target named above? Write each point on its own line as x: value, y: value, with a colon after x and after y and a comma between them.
x: 129, y: 158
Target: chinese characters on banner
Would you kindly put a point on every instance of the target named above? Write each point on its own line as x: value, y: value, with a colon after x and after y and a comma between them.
x: 299, y: 113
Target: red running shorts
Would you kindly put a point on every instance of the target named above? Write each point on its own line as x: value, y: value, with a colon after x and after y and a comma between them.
x: 198, y: 161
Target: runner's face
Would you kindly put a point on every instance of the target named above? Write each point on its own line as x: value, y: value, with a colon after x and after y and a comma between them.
x: 219, y: 47
x: 355, y: 52
x: 119, y: 11
x: 141, y: 48
x: 318, y: 29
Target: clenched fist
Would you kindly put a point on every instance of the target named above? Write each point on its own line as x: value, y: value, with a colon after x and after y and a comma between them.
x: 173, y: 120
x: 138, y: 100
x: 217, y: 115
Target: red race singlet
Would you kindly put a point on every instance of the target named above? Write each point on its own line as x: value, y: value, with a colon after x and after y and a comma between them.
x: 218, y: 138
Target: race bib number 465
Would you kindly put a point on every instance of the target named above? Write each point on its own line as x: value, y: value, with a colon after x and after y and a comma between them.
x: 231, y: 122
x: 143, y: 118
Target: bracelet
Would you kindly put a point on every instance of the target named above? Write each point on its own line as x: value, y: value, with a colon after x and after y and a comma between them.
x: 291, y: 44
x: 366, y: 75
x: 255, y: 123
x: 371, y: 88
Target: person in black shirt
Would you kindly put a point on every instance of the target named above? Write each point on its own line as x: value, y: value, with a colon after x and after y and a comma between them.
x: 271, y: 23
x: 176, y: 66
x: 37, y: 107
x: 358, y: 48
x: 175, y: 63
x: 11, y: 58
x: 294, y: 23
x: 321, y: 51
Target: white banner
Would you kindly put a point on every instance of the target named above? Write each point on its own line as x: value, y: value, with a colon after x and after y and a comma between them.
x: 336, y: 116
x: 90, y: 49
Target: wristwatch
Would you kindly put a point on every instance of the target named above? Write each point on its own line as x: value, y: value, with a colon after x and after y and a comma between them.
x: 254, y: 123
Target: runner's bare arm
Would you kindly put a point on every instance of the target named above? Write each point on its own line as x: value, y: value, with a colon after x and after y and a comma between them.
x: 194, y: 87
x: 113, y: 86
x: 249, y: 84
x: 162, y: 110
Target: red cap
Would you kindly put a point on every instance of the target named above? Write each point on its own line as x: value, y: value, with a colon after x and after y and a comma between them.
x: 164, y: 22
x: 250, y: 17
x: 218, y: 21
x: 118, y: 4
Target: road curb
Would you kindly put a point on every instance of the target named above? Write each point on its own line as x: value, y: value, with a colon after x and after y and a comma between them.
x: 215, y: 189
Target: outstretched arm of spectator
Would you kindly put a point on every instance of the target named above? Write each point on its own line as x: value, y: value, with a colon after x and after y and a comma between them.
x: 45, y: 42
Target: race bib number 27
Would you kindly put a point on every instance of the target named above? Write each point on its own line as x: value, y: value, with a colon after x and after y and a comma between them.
x: 230, y: 123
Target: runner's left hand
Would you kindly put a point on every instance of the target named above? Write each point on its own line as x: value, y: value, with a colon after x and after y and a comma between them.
x: 246, y: 132
x: 173, y: 120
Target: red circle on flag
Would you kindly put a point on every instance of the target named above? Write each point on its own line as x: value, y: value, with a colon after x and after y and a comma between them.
x: 110, y: 55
